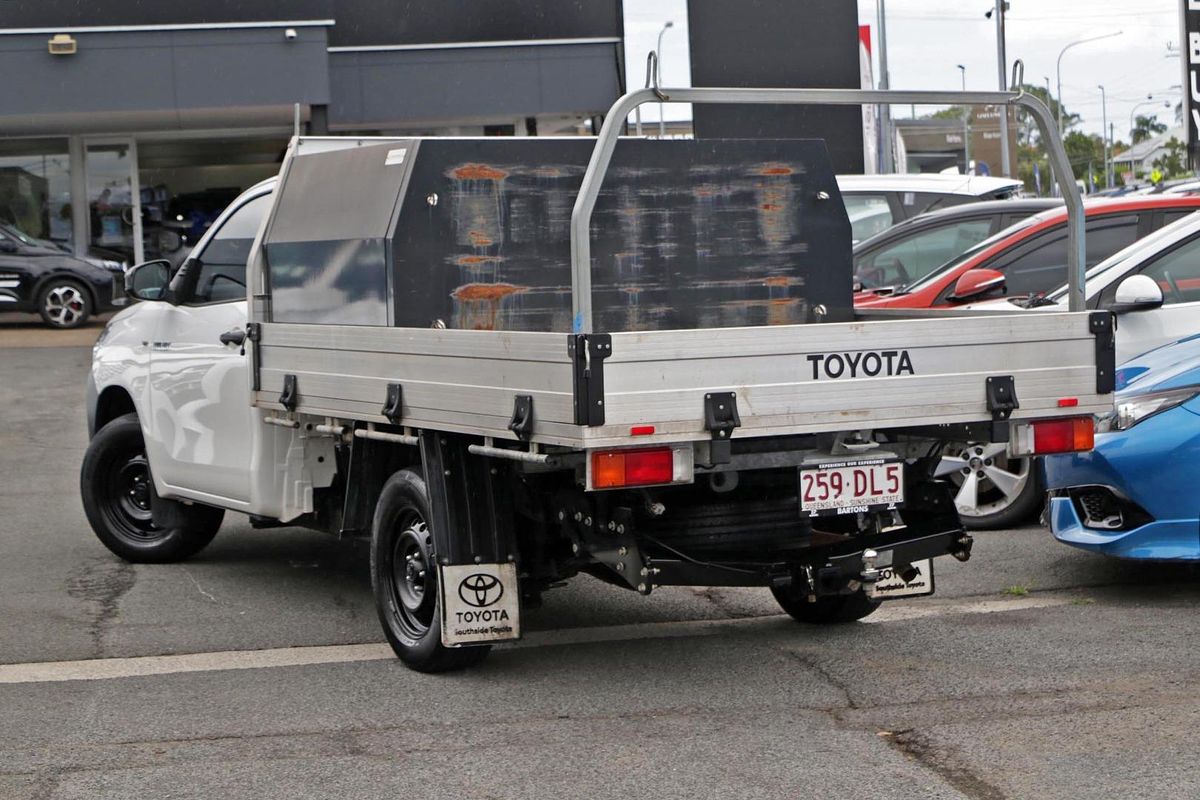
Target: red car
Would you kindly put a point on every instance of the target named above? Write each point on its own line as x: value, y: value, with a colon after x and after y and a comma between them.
x: 1030, y: 257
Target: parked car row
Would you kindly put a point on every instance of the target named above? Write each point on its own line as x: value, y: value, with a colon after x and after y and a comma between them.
x: 1029, y: 258
x: 1131, y: 496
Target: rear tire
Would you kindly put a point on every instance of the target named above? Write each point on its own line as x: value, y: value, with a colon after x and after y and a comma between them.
x: 404, y: 579
x: 835, y: 610
x: 116, y: 487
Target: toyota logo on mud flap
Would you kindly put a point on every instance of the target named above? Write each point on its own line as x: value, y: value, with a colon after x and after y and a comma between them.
x: 480, y: 590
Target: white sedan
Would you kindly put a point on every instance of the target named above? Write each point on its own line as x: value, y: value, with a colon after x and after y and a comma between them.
x: 1153, y: 286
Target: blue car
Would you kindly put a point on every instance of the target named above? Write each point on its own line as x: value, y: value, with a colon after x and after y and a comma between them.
x: 1137, y: 494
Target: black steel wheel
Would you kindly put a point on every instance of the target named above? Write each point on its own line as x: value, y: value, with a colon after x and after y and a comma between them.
x: 404, y: 579
x: 834, y: 610
x: 117, y: 492
x: 64, y: 303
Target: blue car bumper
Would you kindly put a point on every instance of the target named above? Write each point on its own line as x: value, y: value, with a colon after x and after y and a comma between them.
x: 1172, y: 540
x: 1151, y: 471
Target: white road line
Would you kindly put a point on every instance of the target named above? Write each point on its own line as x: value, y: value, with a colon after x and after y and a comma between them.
x: 110, y: 668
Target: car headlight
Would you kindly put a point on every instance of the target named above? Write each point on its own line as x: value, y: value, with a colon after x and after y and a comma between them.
x: 1143, y: 406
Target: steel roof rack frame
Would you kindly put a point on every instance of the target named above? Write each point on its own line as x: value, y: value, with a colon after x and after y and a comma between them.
x: 614, y: 123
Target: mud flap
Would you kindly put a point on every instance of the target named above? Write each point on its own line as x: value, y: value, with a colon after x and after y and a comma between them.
x: 481, y: 603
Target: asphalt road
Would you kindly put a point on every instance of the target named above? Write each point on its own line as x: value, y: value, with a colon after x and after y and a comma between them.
x: 1036, y: 670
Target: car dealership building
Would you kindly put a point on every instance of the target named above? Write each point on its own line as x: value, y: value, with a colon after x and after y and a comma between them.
x: 127, y: 126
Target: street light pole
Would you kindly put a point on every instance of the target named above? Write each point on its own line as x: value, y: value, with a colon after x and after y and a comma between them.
x: 1148, y: 101
x: 1000, y: 60
x: 662, y: 127
x: 1104, y: 135
x: 966, y: 125
x: 1058, y: 70
x: 1053, y: 185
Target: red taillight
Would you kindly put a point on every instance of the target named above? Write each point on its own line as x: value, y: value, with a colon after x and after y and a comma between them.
x: 614, y: 469
x: 1063, y: 435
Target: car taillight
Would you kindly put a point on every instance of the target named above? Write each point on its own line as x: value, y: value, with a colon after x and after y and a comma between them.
x: 643, y: 466
x: 1047, y: 436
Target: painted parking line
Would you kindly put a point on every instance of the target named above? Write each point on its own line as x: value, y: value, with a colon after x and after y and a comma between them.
x: 144, y: 666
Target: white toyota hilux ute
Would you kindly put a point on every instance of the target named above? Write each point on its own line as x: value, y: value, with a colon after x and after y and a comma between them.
x: 408, y: 341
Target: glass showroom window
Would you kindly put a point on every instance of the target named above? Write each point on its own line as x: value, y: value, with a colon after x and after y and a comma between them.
x: 35, y: 188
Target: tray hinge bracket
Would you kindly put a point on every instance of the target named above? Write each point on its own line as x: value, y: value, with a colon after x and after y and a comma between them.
x: 393, y: 404
x: 587, y: 352
x: 290, y: 396
x: 720, y: 418
x: 522, y: 417
x: 1002, y: 400
x: 1101, y: 324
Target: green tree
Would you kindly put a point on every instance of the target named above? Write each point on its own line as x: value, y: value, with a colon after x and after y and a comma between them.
x: 1173, y: 163
x: 1145, y: 128
x: 1030, y: 147
x: 1084, y: 151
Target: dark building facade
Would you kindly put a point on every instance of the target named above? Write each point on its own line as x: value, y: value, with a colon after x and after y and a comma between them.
x: 127, y: 125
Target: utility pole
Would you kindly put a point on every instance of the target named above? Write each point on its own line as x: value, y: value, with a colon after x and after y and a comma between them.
x: 1103, y: 138
x: 966, y: 125
x: 1112, y: 165
x: 1001, y: 7
x: 886, y: 161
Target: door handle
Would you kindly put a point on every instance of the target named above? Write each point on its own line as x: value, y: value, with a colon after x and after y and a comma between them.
x: 236, y: 336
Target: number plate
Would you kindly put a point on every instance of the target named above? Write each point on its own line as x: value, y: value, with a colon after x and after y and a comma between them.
x: 851, y: 487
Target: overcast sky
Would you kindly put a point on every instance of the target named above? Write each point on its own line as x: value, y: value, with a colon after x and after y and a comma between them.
x: 928, y: 38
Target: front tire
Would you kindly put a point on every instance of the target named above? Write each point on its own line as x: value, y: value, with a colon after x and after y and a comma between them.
x: 64, y: 303
x: 116, y: 486
x: 404, y: 579
x: 834, y: 610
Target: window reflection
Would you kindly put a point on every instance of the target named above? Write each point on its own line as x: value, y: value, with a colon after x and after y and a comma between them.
x: 35, y: 189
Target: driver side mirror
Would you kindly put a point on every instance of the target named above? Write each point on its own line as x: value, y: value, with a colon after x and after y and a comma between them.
x: 8, y: 246
x: 149, y: 280
x: 1137, y: 293
x: 975, y: 283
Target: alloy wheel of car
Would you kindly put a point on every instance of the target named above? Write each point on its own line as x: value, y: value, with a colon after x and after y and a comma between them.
x: 64, y: 305
x: 987, y: 480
